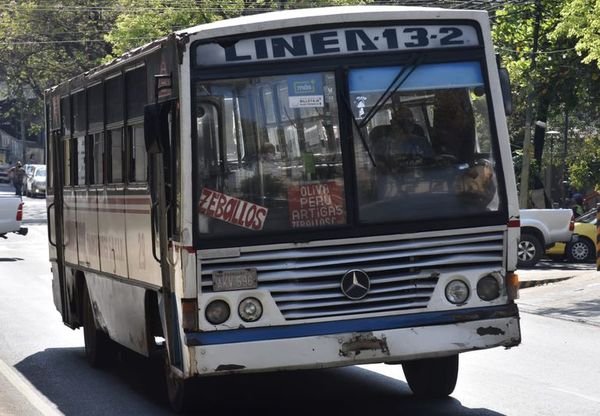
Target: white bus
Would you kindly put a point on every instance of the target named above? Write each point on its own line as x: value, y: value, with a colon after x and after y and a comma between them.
x: 299, y: 189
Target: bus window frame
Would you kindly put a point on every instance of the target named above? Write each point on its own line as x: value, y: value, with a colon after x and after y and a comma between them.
x: 130, y: 122
x: 340, y: 66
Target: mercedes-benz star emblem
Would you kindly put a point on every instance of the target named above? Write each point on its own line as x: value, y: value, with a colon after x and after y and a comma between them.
x: 355, y: 284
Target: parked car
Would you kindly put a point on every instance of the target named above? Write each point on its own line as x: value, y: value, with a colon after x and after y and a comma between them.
x: 541, y: 229
x: 11, y: 215
x: 582, y: 248
x: 36, y: 181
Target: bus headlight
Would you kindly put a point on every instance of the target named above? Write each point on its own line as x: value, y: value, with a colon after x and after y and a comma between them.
x: 488, y: 288
x: 217, y: 312
x: 457, y: 292
x: 250, y: 309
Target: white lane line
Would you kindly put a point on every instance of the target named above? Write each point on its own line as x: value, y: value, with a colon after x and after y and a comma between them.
x: 583, y: 396
x: 28, y: 391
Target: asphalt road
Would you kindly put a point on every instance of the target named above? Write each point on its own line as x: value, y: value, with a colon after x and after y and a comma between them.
x: 555, y: 371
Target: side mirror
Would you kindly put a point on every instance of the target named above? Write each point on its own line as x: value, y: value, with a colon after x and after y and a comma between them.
x: 505, y: 87
x: 156, y: 127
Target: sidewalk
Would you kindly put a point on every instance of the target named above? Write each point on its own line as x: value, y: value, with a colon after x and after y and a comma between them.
x: 571, y: 294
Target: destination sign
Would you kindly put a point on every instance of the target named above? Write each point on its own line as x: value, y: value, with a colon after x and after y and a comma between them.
x: 346, y: 41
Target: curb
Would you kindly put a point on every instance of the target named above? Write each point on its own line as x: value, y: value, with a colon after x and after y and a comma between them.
x: 533, y: 283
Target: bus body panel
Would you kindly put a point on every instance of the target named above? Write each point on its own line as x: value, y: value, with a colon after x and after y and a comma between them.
x: 87, y: 227
x: 70, y: 226
x: 120, y: 311
x: 142, y: 265
x: 111, y: 225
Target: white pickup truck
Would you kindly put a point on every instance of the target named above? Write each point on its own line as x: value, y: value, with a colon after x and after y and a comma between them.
x: 541, y: 229
x: 11, y: 215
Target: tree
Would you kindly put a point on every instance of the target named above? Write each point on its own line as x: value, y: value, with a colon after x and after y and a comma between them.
x: 42, y: 44
x: 581, y: 21
x: 141, y: 21
x: 561, y: 82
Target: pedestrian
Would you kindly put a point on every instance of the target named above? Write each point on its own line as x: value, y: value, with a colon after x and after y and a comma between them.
x: 18, y: 174
x: 578, y: 205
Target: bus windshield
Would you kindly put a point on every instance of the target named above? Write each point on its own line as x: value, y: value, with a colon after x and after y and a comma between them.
x: 428, y: 149
x: 269, y: 154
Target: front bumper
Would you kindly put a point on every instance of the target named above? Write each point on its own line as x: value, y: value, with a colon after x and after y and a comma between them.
x: 389, y: 339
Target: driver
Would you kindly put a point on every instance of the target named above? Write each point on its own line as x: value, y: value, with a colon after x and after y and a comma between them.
x: 400, y: 144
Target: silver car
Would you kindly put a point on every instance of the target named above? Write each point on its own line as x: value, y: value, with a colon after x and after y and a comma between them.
x: 36, y: 182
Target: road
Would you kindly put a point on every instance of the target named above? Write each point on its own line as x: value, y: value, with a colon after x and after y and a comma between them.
x: 43, y: 369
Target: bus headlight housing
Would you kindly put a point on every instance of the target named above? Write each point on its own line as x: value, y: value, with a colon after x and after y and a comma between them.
x: 488, y: 288
x: 457, y: 292
x: 250, y: 309
x: 217, y: 312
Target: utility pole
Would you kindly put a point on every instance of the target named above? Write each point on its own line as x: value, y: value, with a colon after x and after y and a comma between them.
x: 564, y: 159
x: 524, y: 190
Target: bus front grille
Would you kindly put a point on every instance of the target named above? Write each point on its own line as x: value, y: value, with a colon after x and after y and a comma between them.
x: 305, y: 282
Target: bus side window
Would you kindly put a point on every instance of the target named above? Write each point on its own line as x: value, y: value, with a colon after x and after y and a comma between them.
x: 139, y: 160
x: 113, y: 90
x: 81, y: 165
x: 97, y: 141
x: 67, y: 162
x: 115, y: 157
x: 136, y: 99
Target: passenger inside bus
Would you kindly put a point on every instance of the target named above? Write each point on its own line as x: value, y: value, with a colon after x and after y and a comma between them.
x: 400, y: 144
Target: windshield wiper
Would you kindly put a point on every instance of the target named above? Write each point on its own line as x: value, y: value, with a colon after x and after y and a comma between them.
x: 396, y: 83
x: 394, y: 86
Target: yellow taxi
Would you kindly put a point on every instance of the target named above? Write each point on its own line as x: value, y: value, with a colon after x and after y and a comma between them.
x: 582, y: 249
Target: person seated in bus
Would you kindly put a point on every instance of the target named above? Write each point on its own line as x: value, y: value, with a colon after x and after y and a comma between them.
x: 454, y: 140
x: 454, y: 125
x: 398, y: 150
x: 398, y: 146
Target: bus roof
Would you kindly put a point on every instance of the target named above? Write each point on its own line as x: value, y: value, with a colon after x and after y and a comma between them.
x: 324, y: 15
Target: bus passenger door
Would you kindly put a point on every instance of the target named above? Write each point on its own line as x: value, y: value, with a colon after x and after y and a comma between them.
x: 54, y: 203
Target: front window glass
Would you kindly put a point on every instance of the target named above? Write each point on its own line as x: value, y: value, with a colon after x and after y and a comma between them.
x: 422, y: 142
x: 269, y: 155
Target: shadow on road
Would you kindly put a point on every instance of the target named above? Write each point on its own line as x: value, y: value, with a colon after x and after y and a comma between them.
x: 135, y: 386
x: 560, y: 265
x: 10, y: 259
x: 584, y: 309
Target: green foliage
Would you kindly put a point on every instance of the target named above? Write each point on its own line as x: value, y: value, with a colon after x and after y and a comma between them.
x: 581, y: 21
x: 584, y: 164
x: 141, y: 21
x: 44, y: 43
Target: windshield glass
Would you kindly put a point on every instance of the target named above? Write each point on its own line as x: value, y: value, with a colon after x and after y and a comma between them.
x: 430, y: 143
x: 40, y: 173
x: 268, y: 154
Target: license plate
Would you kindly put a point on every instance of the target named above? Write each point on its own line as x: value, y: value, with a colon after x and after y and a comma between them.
x: 234, y: 280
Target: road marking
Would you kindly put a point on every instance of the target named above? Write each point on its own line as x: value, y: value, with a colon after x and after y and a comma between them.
x: 27, y: 390
x: 583, y: 396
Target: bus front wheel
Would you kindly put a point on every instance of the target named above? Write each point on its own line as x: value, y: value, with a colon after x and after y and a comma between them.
x: 179, y: 390
x: 432, y: 377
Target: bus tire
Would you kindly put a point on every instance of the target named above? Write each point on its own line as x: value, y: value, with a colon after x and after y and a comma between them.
x: 529, y: 251
x: 432, y: 377
x: 99, y: 349
x: 179, y: 390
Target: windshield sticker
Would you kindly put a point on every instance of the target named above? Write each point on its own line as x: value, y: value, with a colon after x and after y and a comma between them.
x: 316, y: 204
x: 360, y: 103
x: 305, y: 91
x: 235, y: 211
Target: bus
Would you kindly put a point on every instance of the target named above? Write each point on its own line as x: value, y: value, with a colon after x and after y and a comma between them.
x: 291, y: 190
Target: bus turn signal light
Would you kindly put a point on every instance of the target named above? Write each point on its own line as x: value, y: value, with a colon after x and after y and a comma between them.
x: 512, y: 285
